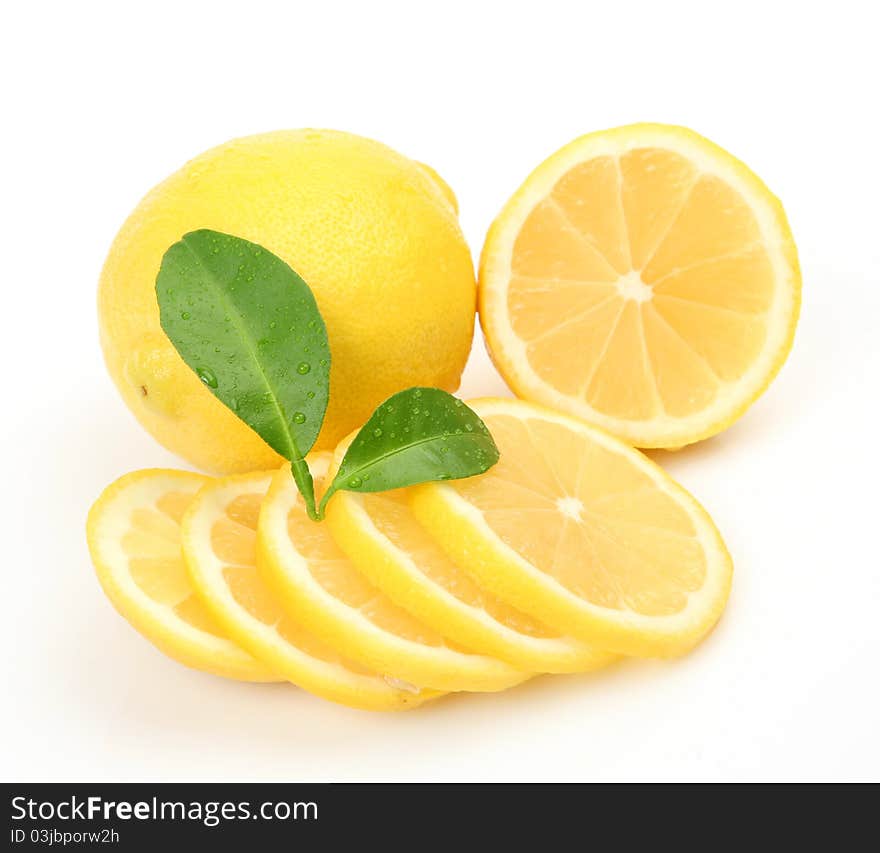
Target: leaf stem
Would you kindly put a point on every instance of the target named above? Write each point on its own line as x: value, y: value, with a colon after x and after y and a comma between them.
x: 303, y: 478
x: 327, y: 495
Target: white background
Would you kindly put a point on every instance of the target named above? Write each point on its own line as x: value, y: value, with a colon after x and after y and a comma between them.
x: 101, y: 102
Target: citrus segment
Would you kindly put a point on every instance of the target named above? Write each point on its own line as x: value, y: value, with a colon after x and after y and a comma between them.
x: 133, y: 532
x: 584, y: 533
x: 381, y: 536
x: 219, y: 545
x: 321, y: 588
x: 644, y: 280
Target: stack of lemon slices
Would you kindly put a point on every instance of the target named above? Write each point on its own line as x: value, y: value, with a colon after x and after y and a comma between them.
x: 573, y: 550
x: 640, y: 289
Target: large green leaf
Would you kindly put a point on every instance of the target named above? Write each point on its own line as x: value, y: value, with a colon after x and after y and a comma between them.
x: 249, y: 327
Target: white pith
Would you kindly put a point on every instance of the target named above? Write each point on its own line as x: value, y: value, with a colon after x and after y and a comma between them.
x: 631, y: 286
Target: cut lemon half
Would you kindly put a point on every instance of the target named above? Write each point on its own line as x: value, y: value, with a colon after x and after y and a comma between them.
x: 584, y: 533
x: 644, y: 280
x: 219, y: 544
x: 321, y: 588
x: 381, y: 536
x: 133, y: 532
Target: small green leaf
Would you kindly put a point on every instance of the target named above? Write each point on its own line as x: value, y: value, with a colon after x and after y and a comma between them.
x: 418, y: 435
x: 249, y: 327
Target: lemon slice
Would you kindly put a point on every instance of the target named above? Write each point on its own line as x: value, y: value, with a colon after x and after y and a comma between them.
x: 133, y: 532
x: 218, y: 535
x: 321, y: 588
x: 583, y: 532
x: 381, y: 536
x: 643, y: 279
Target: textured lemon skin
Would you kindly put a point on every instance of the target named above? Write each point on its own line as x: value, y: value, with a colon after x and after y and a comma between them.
x: 494, y: 270
x: 459, y: 528
x: 374, y: 234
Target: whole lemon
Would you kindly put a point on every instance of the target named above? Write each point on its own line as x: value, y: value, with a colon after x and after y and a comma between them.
x: 373, y: 233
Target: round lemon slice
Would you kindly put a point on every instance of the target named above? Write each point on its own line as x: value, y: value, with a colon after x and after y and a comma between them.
x: 644, y: 280
x: 584, y: 533
x: 381, y: 536
x: 321, y: 588
x: 218, y: 536
x: 133, y: 532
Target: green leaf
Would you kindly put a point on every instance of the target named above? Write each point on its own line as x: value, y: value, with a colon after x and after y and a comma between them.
x: 249, y: 327
x: 418, y: 435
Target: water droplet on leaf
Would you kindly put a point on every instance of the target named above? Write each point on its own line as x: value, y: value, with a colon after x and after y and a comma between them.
x: 207, y: 376
x: 303, y: 368
x: 299, y: 418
